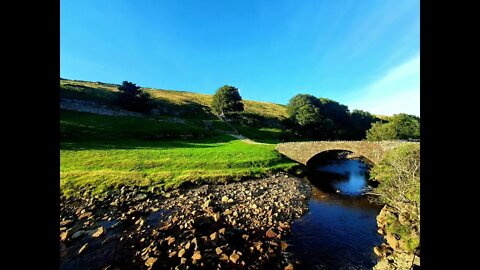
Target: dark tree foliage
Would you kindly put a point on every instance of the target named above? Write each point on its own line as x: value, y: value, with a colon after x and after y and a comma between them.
x: 360, y: 122
x: 131, y: 97
x: 306, y: 111
x: 339, y: 113
x: 399, y: 127
x: 326, y: 119
x: 227, y: 100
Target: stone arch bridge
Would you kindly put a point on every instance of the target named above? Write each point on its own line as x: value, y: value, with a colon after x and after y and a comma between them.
x: 302, y: 152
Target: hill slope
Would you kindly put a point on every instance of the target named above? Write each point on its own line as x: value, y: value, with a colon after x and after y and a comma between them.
x: 183, y: 143
x: 169, y: 101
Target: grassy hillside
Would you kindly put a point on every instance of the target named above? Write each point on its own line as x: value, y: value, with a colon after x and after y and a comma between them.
x: 87, y: 127
x: 175, y: 147
x: 101, y: 152
x: 169, y: 101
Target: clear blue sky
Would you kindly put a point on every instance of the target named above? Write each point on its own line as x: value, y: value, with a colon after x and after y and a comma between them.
x: 364, y: 54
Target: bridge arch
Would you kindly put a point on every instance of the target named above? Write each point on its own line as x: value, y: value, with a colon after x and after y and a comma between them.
x: 336, y: 153
x: 302, y: 152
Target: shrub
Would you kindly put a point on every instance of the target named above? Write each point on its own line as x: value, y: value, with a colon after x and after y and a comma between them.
x: 399, y: 127
x: 227, y: 100
x: 398, y: 175
x: 131, y: 97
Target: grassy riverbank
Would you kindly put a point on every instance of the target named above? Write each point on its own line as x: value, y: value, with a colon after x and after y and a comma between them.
x: 100, y: 152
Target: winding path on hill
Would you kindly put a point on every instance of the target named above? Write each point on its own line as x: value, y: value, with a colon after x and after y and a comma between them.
x: 244, y: 139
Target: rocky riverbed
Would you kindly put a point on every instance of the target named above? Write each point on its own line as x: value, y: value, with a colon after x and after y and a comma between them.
x: 232, y: 226
x: 394, y: 254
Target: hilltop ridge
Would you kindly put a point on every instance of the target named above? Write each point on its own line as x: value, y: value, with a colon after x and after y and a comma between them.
x: 170, y: 100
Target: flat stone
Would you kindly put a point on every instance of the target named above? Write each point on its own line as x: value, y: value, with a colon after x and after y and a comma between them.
x: 213, y: 236
x: 64, y: 236
x: 216, y: 217
x: 224, y: 199
x: 283, y: 245
x: 218, y: 250
x: 165, y: 227
x: 270, y: 234
x: 150, y: 261
x: 288, y: 267
x: 181, y: 252
x: 377, y: 251
x: 197, y: 255
x: 234, y: 257
x: 172, y: 254
x: 85, y: 215
x: 140, y: 197
x: 170, y: 240
x: 66, y: 223
x: 100, y: 231
x: 391, y: 240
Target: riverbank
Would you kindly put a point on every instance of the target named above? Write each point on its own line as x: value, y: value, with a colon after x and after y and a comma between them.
x: 395, y: 252
x: 236, y: 225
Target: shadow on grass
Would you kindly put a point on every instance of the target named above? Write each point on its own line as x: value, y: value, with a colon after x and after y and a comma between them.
x: 208, y: 142
x: 192, y: 110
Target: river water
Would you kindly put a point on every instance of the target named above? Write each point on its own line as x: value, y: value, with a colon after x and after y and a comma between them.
x: 339, y: 231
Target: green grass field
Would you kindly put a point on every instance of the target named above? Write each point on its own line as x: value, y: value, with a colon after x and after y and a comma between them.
x: 79, y: 126
x: 98, y: 153
x: 260, y: 134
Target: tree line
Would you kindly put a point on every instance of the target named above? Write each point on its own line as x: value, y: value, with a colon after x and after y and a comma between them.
x: 326, y: 119
x: 309, y: 117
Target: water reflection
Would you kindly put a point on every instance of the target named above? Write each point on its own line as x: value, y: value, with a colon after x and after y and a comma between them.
x: 339, y: 231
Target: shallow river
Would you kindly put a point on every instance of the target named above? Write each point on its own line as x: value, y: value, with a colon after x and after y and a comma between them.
x: 340, y: 230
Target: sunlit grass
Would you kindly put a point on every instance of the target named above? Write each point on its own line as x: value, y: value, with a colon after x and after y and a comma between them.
x: 99, y: 153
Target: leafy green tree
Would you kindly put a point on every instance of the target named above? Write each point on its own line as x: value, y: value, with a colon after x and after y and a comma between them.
x: 399, y: 127
x: 381, y: 131
x: 299, y: 101
x: 339, y: 116
x: 131, y: 97
x: 304, y: 110
x: 227, y: 100
x: 360, y: 122
x: 406, y: 126
x: 339, y: 113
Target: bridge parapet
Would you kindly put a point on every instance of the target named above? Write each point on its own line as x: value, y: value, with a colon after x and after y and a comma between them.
x: 304, y: 151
